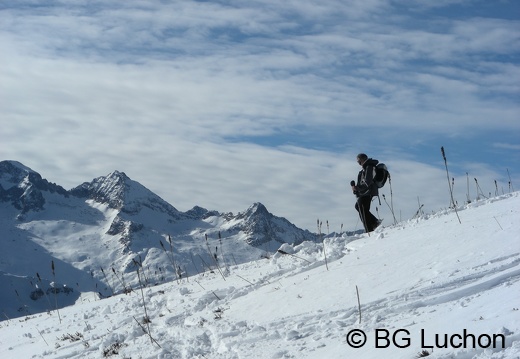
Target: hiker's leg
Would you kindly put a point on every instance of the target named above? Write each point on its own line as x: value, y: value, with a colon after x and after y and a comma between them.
x: 372, y: 221
x: 363, y: 208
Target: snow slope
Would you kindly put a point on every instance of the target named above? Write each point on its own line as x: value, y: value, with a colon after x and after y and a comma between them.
x: 95, y: 234
x: 432, y: 285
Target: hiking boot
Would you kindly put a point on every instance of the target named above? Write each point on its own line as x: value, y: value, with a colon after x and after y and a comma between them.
x: 378, y: 223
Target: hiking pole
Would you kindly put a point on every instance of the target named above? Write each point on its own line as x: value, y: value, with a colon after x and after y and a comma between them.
x: 449, y: 185
x: 391, y: 197
x: 391, y: 207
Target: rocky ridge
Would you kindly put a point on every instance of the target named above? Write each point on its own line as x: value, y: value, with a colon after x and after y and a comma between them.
x: 114, y: 222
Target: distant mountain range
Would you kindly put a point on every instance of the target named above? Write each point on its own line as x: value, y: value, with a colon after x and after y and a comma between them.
x: 97, y: 234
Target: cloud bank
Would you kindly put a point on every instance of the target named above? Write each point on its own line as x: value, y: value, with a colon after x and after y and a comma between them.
x: 222, y: 104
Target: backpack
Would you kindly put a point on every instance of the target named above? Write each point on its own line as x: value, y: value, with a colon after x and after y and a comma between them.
x: 381, y: 174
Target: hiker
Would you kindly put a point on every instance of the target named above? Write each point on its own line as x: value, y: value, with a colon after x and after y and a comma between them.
x: 365, y: 189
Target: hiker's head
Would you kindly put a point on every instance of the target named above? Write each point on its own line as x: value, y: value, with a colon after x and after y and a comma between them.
x: 361, y: 158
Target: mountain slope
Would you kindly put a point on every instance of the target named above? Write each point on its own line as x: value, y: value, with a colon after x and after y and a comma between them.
x: 96, y: 232
x: 23, y: 187
x: 420, y: 284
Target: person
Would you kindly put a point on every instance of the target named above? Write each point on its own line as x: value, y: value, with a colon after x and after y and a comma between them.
x: 364, y: 189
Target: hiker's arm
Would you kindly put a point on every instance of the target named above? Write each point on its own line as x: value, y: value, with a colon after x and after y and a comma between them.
x: 369, y: 176
x: 354, y: 188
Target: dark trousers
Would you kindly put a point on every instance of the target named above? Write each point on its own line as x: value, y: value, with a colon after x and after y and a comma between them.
x: 363, y: 207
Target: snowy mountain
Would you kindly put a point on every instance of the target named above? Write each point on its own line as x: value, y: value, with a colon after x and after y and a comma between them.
x: 427, y: 287
x: 23, y: 187
x: 119, y: 192
x: 97, y: 232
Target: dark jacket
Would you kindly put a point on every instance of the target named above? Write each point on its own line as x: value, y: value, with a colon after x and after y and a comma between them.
x: 365, y: 182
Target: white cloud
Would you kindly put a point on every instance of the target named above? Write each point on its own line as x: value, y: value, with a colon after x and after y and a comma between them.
x: 507, y: 146
x: 181, y: 96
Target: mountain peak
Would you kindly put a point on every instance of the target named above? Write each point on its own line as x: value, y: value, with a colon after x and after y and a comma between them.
x: 122, y: 220
x: 261, y: 227
x: 255, y: 210
x: 23, y: 187
x: 110, y: 189
x: 14, y: 166
x: 198, y: 212
x: 118, y: 175
x: 258, y: 208
x: 12, y: 173
x: 120, y: 192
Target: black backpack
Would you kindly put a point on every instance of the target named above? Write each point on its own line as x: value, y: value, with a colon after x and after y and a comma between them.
x: 381, y: 174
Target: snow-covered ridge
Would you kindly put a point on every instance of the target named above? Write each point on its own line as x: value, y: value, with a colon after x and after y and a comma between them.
x: 108, y: 224
x: 120, y: 192
x: 23, y: 187
x: 14, y: 168
x: 430, y: 286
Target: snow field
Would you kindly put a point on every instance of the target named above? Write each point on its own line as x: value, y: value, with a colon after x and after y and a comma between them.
x: 420, y: 281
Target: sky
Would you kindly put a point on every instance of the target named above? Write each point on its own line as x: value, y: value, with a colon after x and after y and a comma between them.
x: 222, y: 104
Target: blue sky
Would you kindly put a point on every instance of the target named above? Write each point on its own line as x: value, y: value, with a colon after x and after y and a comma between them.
x: 226, y: 103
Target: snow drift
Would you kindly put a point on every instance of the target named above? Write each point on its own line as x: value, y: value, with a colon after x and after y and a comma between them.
x: 425, y: 287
